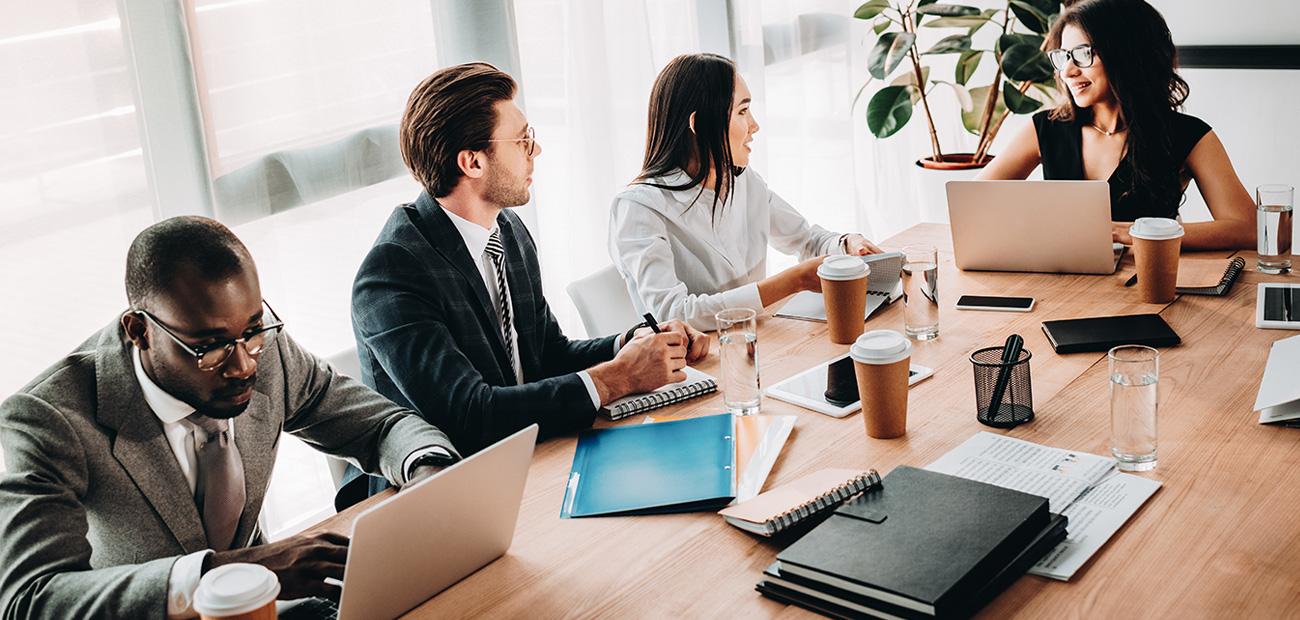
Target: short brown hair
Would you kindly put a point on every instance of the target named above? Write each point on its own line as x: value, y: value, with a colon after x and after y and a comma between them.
x: 449, y: 112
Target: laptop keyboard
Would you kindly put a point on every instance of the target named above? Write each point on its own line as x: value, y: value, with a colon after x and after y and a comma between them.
x: 310, y: 609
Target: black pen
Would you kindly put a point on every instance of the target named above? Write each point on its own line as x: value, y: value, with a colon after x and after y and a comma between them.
x: 1131, y: 281
x: 652, y: 323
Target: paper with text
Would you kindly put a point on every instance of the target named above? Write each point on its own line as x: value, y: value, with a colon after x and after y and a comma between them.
x: 1059, y: 475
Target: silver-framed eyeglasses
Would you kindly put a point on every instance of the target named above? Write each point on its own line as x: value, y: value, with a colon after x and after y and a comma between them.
x: 1081, y: 55
x: 529, y: 140
x: 213, y: 355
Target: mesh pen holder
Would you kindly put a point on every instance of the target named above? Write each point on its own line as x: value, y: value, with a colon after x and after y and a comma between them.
x: 1017, y: 399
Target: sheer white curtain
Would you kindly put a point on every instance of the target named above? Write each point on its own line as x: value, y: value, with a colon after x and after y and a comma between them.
x: 587, y: 69
x: 805, y: 61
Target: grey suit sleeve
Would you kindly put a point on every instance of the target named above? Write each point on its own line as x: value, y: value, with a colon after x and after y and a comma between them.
x: 339, y: 415
x: 45, y: 569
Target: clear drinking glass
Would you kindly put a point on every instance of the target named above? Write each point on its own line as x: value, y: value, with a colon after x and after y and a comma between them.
x: 738, y: 339
x: 921, y: 291
x: 1134, y: 377
x: 1273, y: 208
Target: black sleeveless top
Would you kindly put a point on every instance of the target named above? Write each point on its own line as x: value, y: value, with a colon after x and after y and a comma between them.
x: 1060, y: 146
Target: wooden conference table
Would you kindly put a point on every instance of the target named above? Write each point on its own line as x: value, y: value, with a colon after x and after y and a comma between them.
x: 1220, y: 538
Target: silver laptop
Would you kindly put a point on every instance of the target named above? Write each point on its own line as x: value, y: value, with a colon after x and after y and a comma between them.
x: 425, y: 538
x: 1043, y: 226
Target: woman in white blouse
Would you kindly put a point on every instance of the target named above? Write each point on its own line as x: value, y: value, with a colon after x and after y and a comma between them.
x: 690, y: 234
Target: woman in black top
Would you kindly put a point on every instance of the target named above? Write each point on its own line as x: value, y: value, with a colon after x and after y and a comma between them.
x: 1117, y: 61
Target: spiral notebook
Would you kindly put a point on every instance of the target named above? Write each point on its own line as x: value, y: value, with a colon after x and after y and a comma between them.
x: 884, y: 286
x: 795, y: 503
x: 1208, y: 270
x: 696, y: 384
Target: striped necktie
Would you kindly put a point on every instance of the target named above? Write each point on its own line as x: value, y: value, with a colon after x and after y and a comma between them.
x: 219, y: 492
x: 496, y: 252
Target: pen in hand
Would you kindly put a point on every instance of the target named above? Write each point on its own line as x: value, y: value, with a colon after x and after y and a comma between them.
x: 652, y: 323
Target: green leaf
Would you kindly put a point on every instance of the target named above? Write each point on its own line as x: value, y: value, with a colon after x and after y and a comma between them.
x: 1009, y: 40
x: 970, y: 21
x: 909, y: 79
x: 979, y: 97
x: 947, y: 10
x: 1025, y: 62
x: 889, y: 110
x: 871, y: 9
x: 988, y: 15
x: 890, y: 50
x: 1017, y: 102
x: 966, y: 65
x: 881, y: 26
x: 963, y: 95
x: 950, y: 44
x: 925, y: 2
x: 1031, y: 16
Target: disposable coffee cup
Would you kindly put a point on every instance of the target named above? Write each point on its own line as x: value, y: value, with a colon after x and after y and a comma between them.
x: 881, y: 359
x: 237, y: 592
x: 1157, y: 242
x: 844, y: 289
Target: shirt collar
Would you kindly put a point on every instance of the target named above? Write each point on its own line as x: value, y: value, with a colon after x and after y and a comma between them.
x: 475, y: 236
x: 168, y: 408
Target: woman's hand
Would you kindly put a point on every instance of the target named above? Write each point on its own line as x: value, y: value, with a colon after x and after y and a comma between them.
x: 857, y: 245
x: 1119, y: 232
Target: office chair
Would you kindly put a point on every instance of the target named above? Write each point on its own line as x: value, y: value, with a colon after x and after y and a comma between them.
x: 603, y: 303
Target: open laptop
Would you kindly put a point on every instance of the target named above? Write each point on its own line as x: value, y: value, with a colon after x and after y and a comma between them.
x: 427, y: 537
x: 1043, y: 226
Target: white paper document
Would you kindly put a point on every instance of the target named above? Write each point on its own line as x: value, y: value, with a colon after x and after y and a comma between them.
x: 1084, y: 487
x: 1059, y: 475
x: 1279, y: 393
x: 1094, y: 518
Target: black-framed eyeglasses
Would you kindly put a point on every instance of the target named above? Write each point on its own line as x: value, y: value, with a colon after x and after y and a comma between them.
x: 1081, y: 55
x: 212, y: 356
x: 529, y: 140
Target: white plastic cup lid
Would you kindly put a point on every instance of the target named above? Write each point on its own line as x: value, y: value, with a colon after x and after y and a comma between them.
x: 881, y: 346
x: 1156, y: 228
x: 235, y: 589
x: 843, y: 268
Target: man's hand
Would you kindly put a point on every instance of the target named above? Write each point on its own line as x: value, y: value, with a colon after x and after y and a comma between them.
x: 644, y: 364
x: 697, y: 343
x: 857, y: 245
x: 301, y: 563
x: 420, y: 473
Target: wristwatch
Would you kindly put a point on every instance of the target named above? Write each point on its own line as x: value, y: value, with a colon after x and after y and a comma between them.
x: 435, y: 458
x: 627, y: 336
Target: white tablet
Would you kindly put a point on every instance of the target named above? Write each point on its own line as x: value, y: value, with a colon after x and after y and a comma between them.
x: 809, y: 389
x: 1277, y: 306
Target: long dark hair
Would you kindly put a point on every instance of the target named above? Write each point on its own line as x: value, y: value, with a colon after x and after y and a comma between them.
x: 703, y: 84
x: 1141, y: 63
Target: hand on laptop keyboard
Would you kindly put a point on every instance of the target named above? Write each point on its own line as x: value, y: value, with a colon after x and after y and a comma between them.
x: 301, y: 563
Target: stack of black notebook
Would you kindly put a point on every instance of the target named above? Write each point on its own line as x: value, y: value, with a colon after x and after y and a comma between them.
x: 923, y: 544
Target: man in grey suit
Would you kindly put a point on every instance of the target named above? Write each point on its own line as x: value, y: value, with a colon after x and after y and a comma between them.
x: 127, y: 478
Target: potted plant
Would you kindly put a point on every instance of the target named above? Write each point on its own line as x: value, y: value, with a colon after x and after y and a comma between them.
x: 1023, y: 79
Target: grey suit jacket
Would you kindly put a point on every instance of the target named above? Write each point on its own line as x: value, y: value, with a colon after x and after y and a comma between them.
x: 94, y: 509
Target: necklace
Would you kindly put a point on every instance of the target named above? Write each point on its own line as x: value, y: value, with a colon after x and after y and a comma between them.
x: 1103, y: 132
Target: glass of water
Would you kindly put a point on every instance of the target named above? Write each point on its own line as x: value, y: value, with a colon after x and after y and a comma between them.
x: 1134, y: 377
x: 738, y: 339
x: 1273, y: 208
x: 921, y: 291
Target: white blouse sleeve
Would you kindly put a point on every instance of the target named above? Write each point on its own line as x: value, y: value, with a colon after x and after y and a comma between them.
x: 640, y: 249
x: 792, y: 234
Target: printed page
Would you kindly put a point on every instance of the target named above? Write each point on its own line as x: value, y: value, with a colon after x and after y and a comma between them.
x: 1094, y: 518
x: 1059, y: 475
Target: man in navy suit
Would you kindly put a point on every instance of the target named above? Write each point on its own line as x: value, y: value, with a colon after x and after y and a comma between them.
x: 447, y: 308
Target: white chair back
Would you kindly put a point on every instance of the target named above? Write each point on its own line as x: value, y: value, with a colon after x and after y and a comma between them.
x: 603, y: 303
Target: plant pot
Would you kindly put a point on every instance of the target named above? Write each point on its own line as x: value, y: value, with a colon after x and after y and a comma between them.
x: 932, y: 177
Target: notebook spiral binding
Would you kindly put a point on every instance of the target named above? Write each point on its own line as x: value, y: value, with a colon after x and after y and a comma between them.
x: 662, y: 399
x: 830, y: 499
x: 880, y: 293
x: 1234, y: 270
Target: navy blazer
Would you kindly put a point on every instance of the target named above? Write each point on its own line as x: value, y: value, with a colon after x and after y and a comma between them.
x: 428, y: 335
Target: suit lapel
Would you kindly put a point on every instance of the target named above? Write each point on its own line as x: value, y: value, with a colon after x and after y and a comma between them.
x: 446, y: 240
x: 257, y: 433
x: 139, y: 443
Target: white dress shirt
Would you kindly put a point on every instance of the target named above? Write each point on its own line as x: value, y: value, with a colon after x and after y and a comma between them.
x: 476, y: 240
x: 682, y: 262
x: 184, y: 579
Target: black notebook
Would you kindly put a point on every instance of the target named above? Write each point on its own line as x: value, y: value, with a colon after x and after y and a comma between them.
x: 834, y: 602
x: 923, y: 541
x: 1105, y: 332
